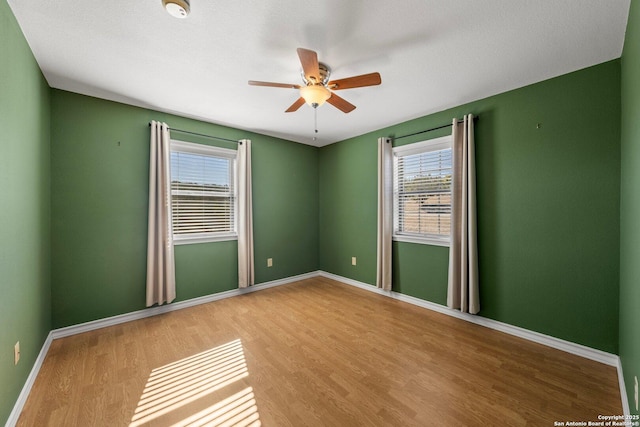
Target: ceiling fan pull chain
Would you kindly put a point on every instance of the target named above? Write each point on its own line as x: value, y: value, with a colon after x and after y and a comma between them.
x: 315, y: 119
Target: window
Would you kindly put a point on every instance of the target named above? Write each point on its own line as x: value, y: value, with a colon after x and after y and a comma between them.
x: 422, y: 192
x: 203, y: 193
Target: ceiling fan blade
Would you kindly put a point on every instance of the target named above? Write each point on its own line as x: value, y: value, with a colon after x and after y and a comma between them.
x: 340, y: 103
x: 294, y: 107
x: 270, y: 84
x: 309, y: 61
x: 371, y: 79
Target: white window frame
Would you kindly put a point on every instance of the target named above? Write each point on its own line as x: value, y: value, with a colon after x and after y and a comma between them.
x: 208, y: 150
x: 434, y: 144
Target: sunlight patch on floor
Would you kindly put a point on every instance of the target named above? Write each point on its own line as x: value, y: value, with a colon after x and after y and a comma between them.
x: 177, y: 384
x: 238, y: 410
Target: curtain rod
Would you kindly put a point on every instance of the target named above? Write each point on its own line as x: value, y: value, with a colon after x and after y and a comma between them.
x: 202, y: 134
x: 432, y: 129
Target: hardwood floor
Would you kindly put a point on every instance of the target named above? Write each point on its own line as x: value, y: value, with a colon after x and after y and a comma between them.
x: 313, y: 353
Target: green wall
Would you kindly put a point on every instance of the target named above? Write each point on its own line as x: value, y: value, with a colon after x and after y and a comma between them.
x: 630, y: 206
x: 558, y: 203
x: 25, y: 313
x: 548, y: 208
x: 99, y: 190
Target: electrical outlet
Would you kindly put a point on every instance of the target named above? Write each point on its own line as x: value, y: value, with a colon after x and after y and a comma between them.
x: 635, y: 387
x: 16, y: 353
x: 353, y: 260
x: 269, y: 262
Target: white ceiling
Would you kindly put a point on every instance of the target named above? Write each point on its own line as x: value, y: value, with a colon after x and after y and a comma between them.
x: 432, y: 54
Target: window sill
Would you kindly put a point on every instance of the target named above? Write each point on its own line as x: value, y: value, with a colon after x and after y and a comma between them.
x: 434, y: 241
x: 187, y: 240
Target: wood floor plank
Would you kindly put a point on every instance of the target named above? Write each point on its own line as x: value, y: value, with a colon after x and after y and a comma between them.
x: 313, y: 353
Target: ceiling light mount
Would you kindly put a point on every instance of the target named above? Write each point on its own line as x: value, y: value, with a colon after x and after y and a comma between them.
x: 177, y: 8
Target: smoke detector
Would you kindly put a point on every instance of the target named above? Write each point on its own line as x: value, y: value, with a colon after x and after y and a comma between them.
x: 177, y: 8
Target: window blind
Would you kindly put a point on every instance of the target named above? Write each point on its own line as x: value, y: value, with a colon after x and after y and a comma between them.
x: 202, y: 193
x: 422, y: 193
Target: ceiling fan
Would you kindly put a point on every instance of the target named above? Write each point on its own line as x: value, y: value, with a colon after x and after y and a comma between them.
x: 317, y: 88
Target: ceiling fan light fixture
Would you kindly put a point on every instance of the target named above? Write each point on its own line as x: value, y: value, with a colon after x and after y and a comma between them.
x: 316, y: 88
x: 315, y: 95
x: 177, y: 8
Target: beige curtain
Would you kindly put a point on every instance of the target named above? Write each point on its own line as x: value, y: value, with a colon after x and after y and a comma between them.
x: 463, y: 253
x: 161, y: 281
x: 385, y: 212
x: 245, y: 216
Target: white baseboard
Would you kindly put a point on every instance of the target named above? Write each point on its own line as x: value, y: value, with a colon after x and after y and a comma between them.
x: 154, y: 311
x: 26, y: 389
x: 623, y: 390
x: 549, y: 341
x: 128, y: 317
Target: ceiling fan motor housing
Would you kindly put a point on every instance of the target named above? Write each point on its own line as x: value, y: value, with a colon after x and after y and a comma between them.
x: 323, y: 70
